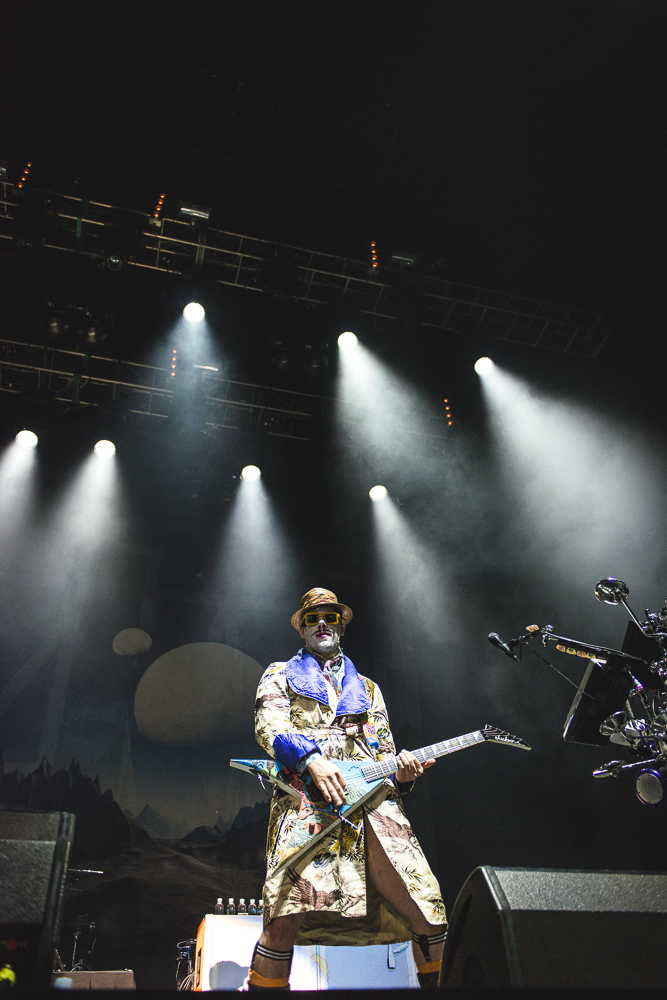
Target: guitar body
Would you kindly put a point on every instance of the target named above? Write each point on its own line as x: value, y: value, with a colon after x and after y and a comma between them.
x: 364, y: 779
x: 359, y: 789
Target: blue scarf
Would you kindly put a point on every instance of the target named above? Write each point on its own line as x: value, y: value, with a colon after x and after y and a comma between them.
x: 304, y: 675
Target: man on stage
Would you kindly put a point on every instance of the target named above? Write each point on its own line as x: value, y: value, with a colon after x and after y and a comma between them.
x: 368, y: 887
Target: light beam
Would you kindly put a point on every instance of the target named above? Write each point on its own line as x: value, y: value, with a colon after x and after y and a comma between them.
x: 255, y: 568
x: 587, y: 490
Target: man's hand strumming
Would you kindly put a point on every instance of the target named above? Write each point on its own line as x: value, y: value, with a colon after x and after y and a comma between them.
x: 328, y: 779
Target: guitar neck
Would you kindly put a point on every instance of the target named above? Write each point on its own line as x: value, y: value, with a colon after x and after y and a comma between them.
x: 383, y: 768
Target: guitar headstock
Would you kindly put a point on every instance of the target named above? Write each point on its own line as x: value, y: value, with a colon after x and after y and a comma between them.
x: 500, y: 736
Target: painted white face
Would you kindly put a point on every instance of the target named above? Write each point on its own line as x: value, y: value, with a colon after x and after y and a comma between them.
x: 321, y: 638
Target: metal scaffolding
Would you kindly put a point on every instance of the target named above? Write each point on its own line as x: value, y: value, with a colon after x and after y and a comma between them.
x: 77, y: 379
x: 183, y: 246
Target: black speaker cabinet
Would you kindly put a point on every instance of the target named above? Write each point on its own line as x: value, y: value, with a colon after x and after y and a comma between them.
x: 34, y: 851
x: 541, y: 927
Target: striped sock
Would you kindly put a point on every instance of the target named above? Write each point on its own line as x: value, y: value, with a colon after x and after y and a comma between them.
x: 426, y: 940
x: 276, y: 956
x: 259, y: 982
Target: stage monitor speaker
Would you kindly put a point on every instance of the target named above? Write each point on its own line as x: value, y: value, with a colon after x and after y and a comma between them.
x: 34, y: 852
x: 540, y: 927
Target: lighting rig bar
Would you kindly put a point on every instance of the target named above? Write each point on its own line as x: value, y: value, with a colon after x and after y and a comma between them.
x: 74, y: 379
x: 192, y: 247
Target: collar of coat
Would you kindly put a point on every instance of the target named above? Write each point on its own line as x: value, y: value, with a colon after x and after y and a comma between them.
x: 304, y: 675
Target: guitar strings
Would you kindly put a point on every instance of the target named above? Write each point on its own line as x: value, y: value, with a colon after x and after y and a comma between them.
x: 382, y: 769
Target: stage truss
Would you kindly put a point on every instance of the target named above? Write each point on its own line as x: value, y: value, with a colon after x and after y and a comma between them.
x: 71, y: 379
x: 179, y: 246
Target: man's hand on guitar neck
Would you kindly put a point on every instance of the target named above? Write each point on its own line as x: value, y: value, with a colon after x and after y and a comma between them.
x: 328, y: 779
x: 410, y: 767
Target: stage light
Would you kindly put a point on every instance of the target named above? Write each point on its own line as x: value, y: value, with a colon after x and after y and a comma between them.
x: 312, y: 361
x: 194, y: 313
x: 483, y: 366
x: 26, y: 439
x: 250, y: 473
x: 194, y: 213
x: 347, y: 339
x: 105, y: 449
x: 378, y: 493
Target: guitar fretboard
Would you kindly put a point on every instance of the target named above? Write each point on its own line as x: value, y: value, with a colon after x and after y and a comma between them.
x: 383, y: 768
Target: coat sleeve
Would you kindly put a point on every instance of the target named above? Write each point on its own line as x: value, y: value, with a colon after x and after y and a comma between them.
x: 274, y: 729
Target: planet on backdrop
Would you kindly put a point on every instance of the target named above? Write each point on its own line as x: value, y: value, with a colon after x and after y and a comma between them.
x: 198, y: 694
x: 131, y: 641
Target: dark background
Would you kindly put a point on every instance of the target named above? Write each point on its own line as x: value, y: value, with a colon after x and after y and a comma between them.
x: 514, y: 146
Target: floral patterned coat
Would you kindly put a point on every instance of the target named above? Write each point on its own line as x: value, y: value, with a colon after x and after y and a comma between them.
x: 297, y: 711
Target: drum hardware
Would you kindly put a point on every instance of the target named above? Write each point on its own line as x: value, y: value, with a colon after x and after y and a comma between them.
x: 614, y: 768
x: 622, y: 698
x: 85, y: 935
x: 613, y: 728
x: 651, y: 786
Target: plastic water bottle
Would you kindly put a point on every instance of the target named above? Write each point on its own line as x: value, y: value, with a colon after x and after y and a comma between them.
x: 242, y: 907
x: 219, y: 908
x: 260, y: 907
x: 231, y: 909
x: 252, y: 908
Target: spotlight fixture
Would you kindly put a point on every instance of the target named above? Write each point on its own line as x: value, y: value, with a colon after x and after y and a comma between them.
x: 194, y: 313
x: 313, y: 361
x: 26, y: 439
x: 250, y: 473
x: 347, y: 339
x: 404, y: 259
x: 483, y: 366
x: 24, y: 175
x: 114, y: 262
x: 105, y: 449
x: 448, y: 412
x: 281, y: 357
x: 158, y: 207
x: 378, y: 493
x: 195, y: 213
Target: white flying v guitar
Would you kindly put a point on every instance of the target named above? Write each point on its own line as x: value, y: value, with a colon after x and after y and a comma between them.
x: 363, y: 778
